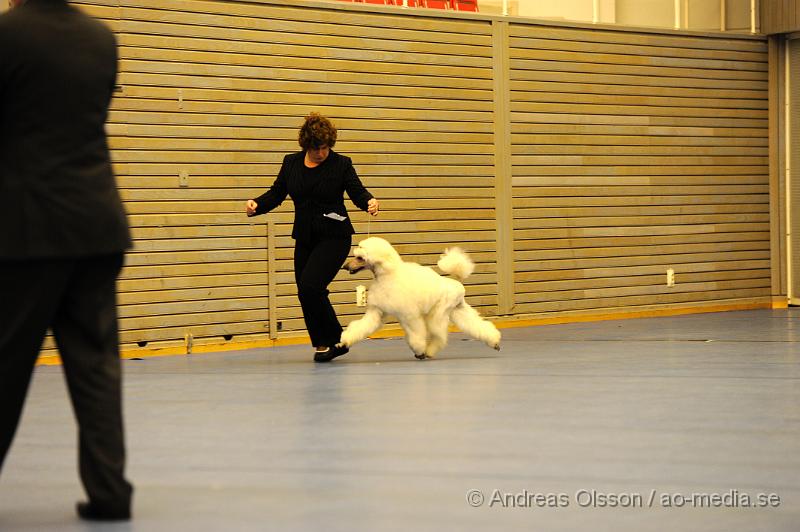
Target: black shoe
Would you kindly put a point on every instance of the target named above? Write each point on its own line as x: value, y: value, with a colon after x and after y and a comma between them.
x: 92, y: 512
x: 330, y: 354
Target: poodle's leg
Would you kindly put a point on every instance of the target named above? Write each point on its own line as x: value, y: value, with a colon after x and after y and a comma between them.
x: 469, y: 321
x: 416, y: 335
x: 437, y: 322
x: 358, y: 330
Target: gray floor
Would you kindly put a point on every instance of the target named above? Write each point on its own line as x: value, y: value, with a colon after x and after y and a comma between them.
x: 266, y: 440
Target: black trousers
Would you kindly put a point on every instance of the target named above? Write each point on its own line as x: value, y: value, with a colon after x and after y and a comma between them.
x: 316, y: 263
x: 77, y: 299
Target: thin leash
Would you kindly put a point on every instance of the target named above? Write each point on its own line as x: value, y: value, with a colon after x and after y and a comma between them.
x: 361, y: 290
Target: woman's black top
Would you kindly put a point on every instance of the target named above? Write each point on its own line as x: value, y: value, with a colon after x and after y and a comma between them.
x: 318, y: 195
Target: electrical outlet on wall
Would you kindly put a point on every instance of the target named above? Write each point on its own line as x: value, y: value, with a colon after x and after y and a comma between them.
x: 670, y: 277
x: 361, y: 295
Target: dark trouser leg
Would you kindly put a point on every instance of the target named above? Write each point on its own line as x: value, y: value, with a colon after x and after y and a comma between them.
x: 85, y: 328
x: 315, y: 267
x: 31, y: 290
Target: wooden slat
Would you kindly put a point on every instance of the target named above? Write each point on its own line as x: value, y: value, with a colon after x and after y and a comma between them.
x: 577, y: 73
x: 547, y: 39
x: 385, y: 135
x: 642, y: 41
x: 641, y: 125
x: 531, y: 293
x: 218, y: 15
x: 289, y: 79
x: 589, y: 213
x: 642, y: 230
x: 719, y: 76
x: 640, y: 100
x: 640, y: 221
x: 592, y: 87
x: 142, y: 326
x: 181, y: 307
x: 574, y: 169
x: 634, y: 184
x: 252, y: 146
x: 312, y: 65
x: 625, y: 265
x: 179, y: 36
x: 617, y: 141
x: 670, y: 253
x: 650, y: 244
x: 309, y: 58
x: 234, y: 169
x: 691, y: 67
x: 256, y: 109
x: 646, y: 110
x: 191, y: 294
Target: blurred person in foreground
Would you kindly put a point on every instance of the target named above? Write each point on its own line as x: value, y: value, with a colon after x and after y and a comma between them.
x: 64, y: 232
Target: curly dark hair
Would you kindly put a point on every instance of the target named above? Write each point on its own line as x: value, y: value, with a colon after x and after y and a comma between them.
x: 317, y: 131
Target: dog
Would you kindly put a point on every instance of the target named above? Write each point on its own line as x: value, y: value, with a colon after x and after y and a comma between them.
x: 423, y: 301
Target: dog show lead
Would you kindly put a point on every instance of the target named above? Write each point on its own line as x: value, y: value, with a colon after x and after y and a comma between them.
x: 316, y: 179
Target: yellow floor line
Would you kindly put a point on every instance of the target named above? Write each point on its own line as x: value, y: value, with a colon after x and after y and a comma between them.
x: 395, y: 331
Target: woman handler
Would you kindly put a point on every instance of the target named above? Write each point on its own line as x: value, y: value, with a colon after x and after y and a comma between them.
x: 316, y: 179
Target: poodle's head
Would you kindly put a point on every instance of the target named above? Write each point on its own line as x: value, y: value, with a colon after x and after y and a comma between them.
x: 374, y: 254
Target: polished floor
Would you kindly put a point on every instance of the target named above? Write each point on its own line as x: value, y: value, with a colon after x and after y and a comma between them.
x: 594, y: 426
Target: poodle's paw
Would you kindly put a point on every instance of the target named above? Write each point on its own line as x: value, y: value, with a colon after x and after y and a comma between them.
x: 421, y: 356
x: 346, y: 340
x: 493, y: 340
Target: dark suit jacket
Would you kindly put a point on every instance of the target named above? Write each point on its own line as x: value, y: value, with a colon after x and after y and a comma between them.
x: 58, y: 195
x: 316, y: 192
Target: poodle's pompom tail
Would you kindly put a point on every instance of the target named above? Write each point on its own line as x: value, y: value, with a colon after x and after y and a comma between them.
x: 456, y: 262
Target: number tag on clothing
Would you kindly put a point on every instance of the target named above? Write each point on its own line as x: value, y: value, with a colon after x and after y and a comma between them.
x: 335, y: 216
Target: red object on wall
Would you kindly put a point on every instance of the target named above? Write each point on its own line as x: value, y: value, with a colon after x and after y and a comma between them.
x: 435, y: 4
x: 465, y: 5
x: 457, y: 5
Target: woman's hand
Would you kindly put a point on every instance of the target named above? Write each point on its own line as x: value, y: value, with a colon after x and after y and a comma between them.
x: 251, y: 207
x: 373, y: 207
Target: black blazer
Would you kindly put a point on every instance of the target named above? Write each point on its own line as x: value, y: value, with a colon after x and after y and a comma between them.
x: 316, y: 192
x: 58, y: 195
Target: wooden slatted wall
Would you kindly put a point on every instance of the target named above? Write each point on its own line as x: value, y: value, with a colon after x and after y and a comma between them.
x: 779, y: 16
x: 198, y: 267
x: 217, y: 90
x: 630, y: 153
x: 635, y: 153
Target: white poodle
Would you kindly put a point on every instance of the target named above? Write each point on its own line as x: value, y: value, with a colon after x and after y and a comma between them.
x: 423, y: 301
